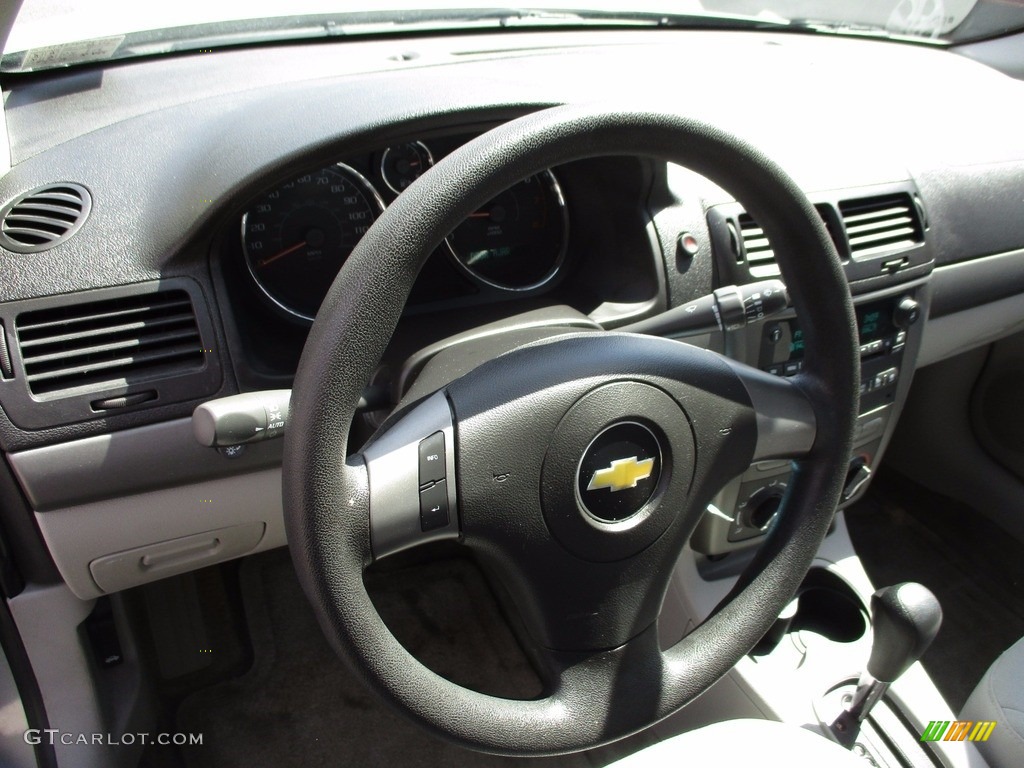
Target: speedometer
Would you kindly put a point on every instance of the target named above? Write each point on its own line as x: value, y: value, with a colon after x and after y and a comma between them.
x: 296, y: 238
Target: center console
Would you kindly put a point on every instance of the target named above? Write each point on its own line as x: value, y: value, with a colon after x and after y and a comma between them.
x: 888, y: 325
x: 810, y: 667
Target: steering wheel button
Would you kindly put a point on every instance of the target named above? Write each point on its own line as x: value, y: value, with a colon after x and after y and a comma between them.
x: 434, y: 506
x: 432, y: 459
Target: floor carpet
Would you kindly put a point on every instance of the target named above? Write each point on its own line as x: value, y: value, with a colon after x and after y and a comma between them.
x: 300, y: 706
x: 904, y: 532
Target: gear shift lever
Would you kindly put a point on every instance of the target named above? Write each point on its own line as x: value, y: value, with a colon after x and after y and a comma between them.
x: 905, y: 620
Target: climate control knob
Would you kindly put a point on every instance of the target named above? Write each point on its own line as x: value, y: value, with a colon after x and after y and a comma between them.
x: 906, y: 313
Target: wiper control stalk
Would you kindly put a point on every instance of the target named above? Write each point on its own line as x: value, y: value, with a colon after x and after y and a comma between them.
x: 727, y: 309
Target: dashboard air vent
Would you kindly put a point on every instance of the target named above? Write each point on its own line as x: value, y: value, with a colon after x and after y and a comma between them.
x: 759, y: 255
x: 44, y: 217
x: 116, y: 341
x: 881, y: 224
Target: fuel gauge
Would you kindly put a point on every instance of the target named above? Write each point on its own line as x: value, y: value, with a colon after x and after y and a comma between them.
x: 401, y: 165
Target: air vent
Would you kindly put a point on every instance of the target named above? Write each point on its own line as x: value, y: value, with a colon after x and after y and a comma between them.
x: 758, y: 253
x: 881, y: 224
x: 114, y: 342
x: 44, y: 217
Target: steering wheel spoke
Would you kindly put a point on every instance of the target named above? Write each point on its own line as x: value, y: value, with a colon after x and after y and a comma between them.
x: 786, y: 424
x: 410, y: 467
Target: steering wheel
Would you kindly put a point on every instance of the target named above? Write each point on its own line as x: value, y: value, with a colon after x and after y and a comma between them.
x: 575, y: 468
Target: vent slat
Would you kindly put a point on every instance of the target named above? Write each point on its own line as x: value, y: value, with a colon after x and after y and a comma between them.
x: 905, y: 233
x: 130, y: 338
x: 882, y: 223
x: 30, y: 232
x: 31, y: 210
x: 873, y: 226
x: 158, y: 304
x: 58, y: 210
x: 119, y: 365
x: 885, y: 213
x: 96, y: 350
x: 107, y: 330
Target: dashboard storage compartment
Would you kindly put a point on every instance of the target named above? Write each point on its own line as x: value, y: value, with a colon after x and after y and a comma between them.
x: 169, y: 558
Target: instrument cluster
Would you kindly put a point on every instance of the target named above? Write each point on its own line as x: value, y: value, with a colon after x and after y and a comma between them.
x: 296, y: 237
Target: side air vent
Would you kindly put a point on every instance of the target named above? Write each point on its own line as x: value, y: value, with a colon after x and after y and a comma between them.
x: 112, y: 342
x: 44, y: 217
x: 758, y: 253
x: 881, y: 224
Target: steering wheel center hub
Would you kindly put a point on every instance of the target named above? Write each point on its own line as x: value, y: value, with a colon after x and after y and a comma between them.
x: 618, y: 467
x: 619, y: 472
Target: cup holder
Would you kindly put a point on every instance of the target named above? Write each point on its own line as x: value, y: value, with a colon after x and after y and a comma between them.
x: 824, y: 604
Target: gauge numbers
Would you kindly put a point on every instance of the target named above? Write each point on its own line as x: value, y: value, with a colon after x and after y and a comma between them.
x: 517, y: 241
x: 297, y: 237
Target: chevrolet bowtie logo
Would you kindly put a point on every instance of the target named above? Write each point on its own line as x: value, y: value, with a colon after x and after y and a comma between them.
x: 622, y: 474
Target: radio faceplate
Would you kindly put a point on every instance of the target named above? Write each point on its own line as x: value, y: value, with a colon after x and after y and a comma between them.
x: 882, y: 342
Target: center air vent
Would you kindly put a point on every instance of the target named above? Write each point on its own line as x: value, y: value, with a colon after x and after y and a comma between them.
x: 881, y: 224
x: 758, y: 253
x: 116, y: 341
x: 44, y: 217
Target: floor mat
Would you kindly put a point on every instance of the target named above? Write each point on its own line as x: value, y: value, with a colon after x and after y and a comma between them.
x: 904, y: 532
x: 300, y: 706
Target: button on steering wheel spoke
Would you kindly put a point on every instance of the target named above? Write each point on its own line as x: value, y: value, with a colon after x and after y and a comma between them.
x: 411, y: 470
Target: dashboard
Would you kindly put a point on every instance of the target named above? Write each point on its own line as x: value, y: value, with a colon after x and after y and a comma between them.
x: 216, y: 212
x: 169, y: 226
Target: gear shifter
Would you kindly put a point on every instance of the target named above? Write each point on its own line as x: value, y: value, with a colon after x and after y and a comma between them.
x: 905, y: 619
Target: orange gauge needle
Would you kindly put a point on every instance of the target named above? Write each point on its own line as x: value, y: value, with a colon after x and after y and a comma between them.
x: 480, y: 215
x: 271, y: 259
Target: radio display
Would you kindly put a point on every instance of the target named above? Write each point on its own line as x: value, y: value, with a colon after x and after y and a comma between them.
x: 874, y: 322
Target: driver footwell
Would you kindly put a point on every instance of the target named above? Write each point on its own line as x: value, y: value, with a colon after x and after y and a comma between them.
x: 299, y: 705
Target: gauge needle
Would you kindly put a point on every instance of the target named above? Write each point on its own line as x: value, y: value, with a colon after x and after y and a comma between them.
x: 480, y: 215
x: 271, y: 259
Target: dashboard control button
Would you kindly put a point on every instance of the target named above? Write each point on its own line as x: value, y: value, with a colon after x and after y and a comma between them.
x: 688, y: 244
x: 434, y: 506
x: 907, y: 312
x: 432, y: 460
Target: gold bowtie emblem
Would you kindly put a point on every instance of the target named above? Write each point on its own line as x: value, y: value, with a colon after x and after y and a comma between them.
x: 622, y: 474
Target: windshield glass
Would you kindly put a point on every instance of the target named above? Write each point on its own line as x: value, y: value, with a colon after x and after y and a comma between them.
x: 50, y: 33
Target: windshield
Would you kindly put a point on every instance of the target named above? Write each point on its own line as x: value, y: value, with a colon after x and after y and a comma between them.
x: 51, y: 33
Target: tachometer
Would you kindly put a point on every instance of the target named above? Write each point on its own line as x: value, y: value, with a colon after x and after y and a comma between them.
x: 297, y: 237
x: 517, y: 241
x: 401, y: 165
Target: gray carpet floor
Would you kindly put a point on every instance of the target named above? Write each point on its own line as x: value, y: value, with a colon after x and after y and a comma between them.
x: 301, y: 706
x: 904, y: 532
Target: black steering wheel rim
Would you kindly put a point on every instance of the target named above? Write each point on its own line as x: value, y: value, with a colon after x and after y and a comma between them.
x: 599, y: 696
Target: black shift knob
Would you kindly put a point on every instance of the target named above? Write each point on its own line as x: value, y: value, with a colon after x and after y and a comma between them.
x: 906, y: 617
